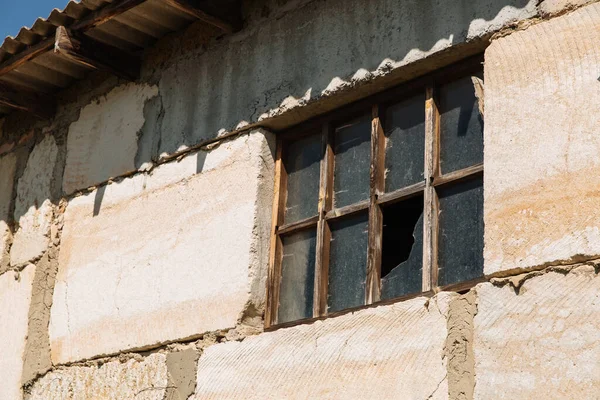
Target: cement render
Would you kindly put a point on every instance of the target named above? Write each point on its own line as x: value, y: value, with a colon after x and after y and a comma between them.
x: 305, y: 51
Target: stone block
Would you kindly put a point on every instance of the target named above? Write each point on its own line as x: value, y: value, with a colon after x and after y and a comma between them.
x: 542, y: 343
x: 387, y: 352
x: 8, y: 164
x: 132, y: 379
x: 33, y: 207
x: 541, y: 144
x: 104, y: 141
x: 168, y: 260
x: 15, y: 298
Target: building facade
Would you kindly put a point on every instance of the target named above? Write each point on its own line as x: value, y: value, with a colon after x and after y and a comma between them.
x: 301, y: 199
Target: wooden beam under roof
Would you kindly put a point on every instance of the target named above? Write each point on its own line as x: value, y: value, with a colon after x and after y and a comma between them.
x: 91, y: 53
x: 92, y: 20
x: 188, y: 7
x: 40, y: 105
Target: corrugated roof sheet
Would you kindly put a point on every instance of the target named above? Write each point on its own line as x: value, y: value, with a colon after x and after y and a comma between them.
x: 132, y: 31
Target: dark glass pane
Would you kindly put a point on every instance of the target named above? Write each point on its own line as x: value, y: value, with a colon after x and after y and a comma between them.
x: 352, y: 150
x: 302, y: 163
x: 405, y: 149
x: 402, y: 249
x: 461, y: 232
x: 348, y: 263
x: 461, y: 130
x: 297, y: 276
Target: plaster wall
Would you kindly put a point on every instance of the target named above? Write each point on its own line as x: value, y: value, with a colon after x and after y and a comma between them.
x: 541, y: 144
x: 15, y: 298
x: 172, y: 259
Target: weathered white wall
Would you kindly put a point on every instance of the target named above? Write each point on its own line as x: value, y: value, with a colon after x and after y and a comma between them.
x: 388, y: 352
x: 150, y: 261
x: 33, y: 207
x: 15, y: 297
x: 541, y: 143
x: 103, y: 142
x: 543, y: 343
x: 174, y: 253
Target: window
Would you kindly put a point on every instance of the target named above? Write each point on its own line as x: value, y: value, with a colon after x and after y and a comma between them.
x: 380, y: 201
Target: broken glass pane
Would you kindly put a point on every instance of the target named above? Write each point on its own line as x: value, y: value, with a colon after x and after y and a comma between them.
x: 461, y: 232
x: 461, y: 126
x: 352, y: 150
x: 302, y: 163
x: 402, y: 249
x: 297, y: 276
x: 405, y: 147
x: 348, y: 263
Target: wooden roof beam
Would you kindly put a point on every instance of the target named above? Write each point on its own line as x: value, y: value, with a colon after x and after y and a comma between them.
x: 39, y: 105
x: 91, y: 53
x: 188, y: 7
x: 92, y: 20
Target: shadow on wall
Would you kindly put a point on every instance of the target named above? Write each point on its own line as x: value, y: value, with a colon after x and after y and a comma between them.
x: 295, y: 57
x: 291, y: 53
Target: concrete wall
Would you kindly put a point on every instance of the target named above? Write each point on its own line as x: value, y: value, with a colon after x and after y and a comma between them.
x: 133, y: 268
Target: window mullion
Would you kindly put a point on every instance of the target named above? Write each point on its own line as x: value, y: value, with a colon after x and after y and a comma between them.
x: 432, y: 156
x: 323, y: 230
x: 377, y: 176
x: 276, y: 250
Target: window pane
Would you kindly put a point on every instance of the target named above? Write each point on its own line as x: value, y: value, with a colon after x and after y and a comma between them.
x: 461, y: 130
x: 348, y: 263
x: 297, y: 276
x: 405, y: 148
x: 302, y: 163
x: 352, y: 150
x: 461, y: 232
x: 402, y: 249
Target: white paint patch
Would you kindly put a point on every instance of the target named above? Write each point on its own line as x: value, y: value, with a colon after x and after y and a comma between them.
x: 103, y: 143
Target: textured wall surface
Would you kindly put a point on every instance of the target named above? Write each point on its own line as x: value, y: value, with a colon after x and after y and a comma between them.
x: 132, y: 379
x: 8, y: 165
x: 388, y: 352
x: 103, y: 143
x: 305, y: 52
x: 136, y: 277
x: 543, y: 342
x: 541, y: 143
x: 15, y: 297
x: 173, y: 260
x: 33, y: 208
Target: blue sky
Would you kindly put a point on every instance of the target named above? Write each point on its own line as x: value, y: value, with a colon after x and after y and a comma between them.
x: 15, y: 14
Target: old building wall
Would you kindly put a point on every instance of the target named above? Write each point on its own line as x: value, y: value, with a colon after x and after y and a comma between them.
x: 134, y: 226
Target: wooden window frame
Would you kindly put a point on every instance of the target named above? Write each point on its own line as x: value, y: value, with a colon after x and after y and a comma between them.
x: 434, y: 179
